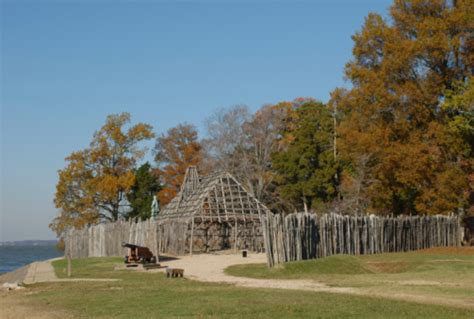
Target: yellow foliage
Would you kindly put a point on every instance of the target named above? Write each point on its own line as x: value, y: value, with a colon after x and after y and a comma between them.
x: 93, y: 186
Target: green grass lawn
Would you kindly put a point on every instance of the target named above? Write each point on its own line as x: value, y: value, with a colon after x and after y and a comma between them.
x: 152, y: 295
x: 442, y: 273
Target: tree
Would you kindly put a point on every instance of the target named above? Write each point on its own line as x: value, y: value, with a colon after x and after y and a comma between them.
x: 141, y: 194
x: 393, y: 123
x: 306, y: 168
x: 225, y: 139
x: 94, y: 185
x: 458, y: 122
x: 174, y: 152
x: 454, y: 186
x: 262, y: 138
x: 242, y: 144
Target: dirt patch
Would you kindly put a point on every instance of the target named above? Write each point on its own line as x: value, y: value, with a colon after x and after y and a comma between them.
x: 15, y: 305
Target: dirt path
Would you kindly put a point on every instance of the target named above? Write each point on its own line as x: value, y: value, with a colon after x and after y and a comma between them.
x: 210, y: 268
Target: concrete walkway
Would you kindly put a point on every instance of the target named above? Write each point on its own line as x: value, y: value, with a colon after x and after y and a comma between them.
x: 40, y: 271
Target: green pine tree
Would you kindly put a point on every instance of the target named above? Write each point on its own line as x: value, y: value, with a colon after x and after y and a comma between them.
x: 141, y: 196
x: 306, y: 170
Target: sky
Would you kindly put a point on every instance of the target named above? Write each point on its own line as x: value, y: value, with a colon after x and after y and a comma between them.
x: 66, y: 65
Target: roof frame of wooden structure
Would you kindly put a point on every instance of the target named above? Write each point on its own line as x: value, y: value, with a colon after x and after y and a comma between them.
x: 218, y: 197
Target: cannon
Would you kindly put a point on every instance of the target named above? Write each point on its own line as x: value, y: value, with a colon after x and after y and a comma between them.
x: 138, y: 254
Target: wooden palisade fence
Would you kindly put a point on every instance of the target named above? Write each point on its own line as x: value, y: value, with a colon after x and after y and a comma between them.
x: 160, y: 236
x: 106, y: 239
x: 303, y: 236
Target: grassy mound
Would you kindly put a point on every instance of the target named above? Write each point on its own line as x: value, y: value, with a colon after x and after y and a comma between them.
x: 333, y: 265
x: 431, y: 263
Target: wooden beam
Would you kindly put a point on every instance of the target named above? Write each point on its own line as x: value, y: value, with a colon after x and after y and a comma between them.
x: 191, y: 239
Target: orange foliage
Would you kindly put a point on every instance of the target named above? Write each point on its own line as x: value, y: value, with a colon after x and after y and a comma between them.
x: 175, y: 151
x: 392, y: 124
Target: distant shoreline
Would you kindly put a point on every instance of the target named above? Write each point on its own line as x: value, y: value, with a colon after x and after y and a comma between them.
x: 28, y: 243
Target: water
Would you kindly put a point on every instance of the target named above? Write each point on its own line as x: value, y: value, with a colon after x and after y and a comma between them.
x: 14, y: 257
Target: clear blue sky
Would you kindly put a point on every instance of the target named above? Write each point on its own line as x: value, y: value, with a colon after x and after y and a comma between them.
x: 66, y: 65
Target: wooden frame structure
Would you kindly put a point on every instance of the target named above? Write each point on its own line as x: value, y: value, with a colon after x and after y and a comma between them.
x: 211, y: 213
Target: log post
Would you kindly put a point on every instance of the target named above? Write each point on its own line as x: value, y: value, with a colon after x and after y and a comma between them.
x: 235, y: 235
x: 68, y: 265
x: 191, y: 238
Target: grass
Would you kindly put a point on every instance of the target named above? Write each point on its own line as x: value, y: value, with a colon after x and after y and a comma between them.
x: 151, y: 295
x: 89, y: 267
x: 334, y: 265
x: 441, y: 273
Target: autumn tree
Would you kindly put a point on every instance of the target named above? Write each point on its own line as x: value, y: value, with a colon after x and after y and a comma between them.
x: 94, y: 185
x: 174, y: 152
x: 356, y: 150
x: 306, y: 168
x: 393, y: 126
x: 141, y: 194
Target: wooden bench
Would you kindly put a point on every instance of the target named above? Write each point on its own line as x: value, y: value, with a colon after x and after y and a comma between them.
x: 174, y: 272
